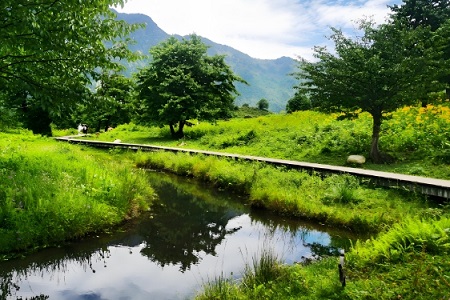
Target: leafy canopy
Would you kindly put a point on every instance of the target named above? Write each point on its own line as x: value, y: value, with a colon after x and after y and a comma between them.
x: 182, y: 82
x: 386, y: 68
x: 263, y: 104
x: 111, y: 104
x: 299, y: 102
x: 415, y: 13
x: 434, y: 14
x: 50, y: 50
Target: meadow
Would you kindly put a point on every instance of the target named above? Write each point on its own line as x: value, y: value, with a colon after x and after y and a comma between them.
x: 418, y: 138
x: 406, y: 256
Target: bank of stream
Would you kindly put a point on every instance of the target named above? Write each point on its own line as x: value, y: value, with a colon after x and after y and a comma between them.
x: 192, y: 234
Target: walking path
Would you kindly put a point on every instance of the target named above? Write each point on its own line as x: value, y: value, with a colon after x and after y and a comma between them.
x: 428, y: 186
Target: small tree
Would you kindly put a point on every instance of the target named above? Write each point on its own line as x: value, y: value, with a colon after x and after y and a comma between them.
x: 182, y: 82
x: 299, y: 102
x: 383, y: 70
x: 263, y: 104
x: 113, y: 101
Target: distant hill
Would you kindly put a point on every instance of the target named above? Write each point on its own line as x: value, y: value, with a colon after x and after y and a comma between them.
x: 267, y: 78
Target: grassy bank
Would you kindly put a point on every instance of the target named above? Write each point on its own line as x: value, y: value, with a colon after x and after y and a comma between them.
x: 338, y: 200
x: 410, y: 261
x: 406, y: 258
x: 51, y: 192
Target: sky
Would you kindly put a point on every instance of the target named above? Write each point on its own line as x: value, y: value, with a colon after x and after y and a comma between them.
x: 264, y: 29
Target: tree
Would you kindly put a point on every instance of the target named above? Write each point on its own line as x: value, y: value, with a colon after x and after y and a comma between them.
x: 415, y: 13
x: 183, y: 83
x: 51, y: 50
x: 111, y: 104
x: 433, y: 13
x: 383, y: 70
x: 263, y: 104
x: 299, y: 102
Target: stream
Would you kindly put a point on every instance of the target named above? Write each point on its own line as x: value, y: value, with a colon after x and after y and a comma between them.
x: 191, y: 235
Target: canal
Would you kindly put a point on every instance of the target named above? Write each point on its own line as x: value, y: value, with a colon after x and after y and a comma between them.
x: 192, y: 234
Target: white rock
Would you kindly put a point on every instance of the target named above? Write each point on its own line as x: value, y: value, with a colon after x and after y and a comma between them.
x: 117, y: 141
x: 356, y: 159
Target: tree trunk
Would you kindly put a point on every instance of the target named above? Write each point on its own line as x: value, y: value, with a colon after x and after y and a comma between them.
x: 447, y: 92
x: 375, y: 154
x: 108, y: 120
x: 99, y: 125
x: 180, y: 133
x: 172, y: 130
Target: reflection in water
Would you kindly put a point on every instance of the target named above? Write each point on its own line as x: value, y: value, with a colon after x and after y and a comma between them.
x: 180, y: 233
x: 192, y: 234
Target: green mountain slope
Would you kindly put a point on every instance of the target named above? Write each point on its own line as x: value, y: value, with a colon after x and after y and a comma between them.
x: 267, y: 78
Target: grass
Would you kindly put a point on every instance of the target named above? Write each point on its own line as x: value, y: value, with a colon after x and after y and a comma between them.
x: 337, y: 200
x: 51, y: 191
x: 416, y: 137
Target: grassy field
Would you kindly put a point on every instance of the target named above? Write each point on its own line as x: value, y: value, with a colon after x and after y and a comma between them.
x: 418, y: 138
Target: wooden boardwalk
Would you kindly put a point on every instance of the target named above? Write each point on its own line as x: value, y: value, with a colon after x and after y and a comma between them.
x: 428, y: 186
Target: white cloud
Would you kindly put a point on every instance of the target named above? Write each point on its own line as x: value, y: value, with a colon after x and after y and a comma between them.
x: 260, y: 28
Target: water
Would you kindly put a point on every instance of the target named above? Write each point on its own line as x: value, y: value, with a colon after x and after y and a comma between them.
x: 193, y: 234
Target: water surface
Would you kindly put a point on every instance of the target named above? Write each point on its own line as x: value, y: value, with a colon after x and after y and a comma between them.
x: 192, y: 234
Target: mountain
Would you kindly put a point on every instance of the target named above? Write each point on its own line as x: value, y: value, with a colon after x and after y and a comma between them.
x: 267, y: 78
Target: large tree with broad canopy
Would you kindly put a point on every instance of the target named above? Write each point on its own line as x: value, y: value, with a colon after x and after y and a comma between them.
x: 183, y: 83
x: 387, y: 67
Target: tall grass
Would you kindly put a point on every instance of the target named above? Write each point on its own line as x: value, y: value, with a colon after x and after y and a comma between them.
x: 50, y: 192
x: 264, y: 267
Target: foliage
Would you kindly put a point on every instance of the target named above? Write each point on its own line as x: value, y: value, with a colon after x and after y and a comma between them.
x: 182, y: 82
x: 51, y: 50
x: 263, y: 104
x: 381, y: 71
x: 51, y: 192
x: 434, y: 14
x: 407, y: 262
x: 298, y: 102
x: 111, y: 104
x: 417, y: 13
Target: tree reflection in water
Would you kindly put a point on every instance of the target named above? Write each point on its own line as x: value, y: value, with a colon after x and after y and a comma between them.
x: 182, y: 226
